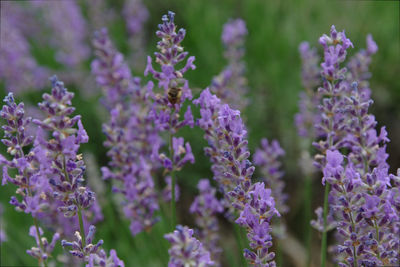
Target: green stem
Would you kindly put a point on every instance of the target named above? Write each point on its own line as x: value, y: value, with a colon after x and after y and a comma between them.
x: 239, y: 241
x: 279, y: 258
x: 81, y: 226
x: 325, y: 232
x: 307, y: 216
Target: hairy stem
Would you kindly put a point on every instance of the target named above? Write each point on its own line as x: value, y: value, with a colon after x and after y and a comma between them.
x: 325, y: 232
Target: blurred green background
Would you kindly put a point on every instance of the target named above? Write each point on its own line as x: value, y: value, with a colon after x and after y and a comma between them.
x: 273, y: 70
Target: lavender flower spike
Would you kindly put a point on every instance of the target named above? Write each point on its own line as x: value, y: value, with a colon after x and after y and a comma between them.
x: 168, y: 104
x: 112, y: 73
x: 18, y: 68
x: 226, y: 136
x: 206, y: 207
x: 187, y: 251
x: 267, y: 158
x: 231, y: 85
x: 70, y: 28
x: 171, y: 53
x: 309, y: 100
x: 58, y: 157
x: 91, y: 253
x: 37, y: 252
x: 129, y: 133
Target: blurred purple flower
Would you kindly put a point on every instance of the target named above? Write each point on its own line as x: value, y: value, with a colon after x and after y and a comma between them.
x: 231, y: 84
x: 186, y: 250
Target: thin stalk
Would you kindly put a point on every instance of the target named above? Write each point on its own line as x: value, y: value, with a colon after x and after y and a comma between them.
x: 279, y: 258
x: 307, y: 216
x: 81, y: 226
x: 325, y: 232
x: 239, y: 241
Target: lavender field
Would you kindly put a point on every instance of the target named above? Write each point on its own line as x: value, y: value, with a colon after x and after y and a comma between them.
x: 199, y: 133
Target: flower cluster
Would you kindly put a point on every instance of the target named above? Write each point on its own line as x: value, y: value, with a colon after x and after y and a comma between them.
x: 136, y: 15
x: 71, y: 31
x: 206, y: 207
x: 168, y: 105
x: 226, y: 136
x: 311, y: 79
x: 91, y: 253
x: 112, y: 73
x: 230, y: 85
x: 44, y: 248
x: 360, y: 199
x: 58, y: 157
x: 187, y: 251
x: 266, y: 158
x: 176, y: 87
x: 129, y: 133
x: 18, y: 68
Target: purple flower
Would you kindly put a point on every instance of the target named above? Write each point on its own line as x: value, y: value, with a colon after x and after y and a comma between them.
x: 231, y: 84
x: 167, y: 191
x: 186, y: 250
x: 359, y: 199
x: 266, y: 158
x: 39, y: 252
x: 66, y: 172
x: 226, y: 136
x: 358, y: 66
x: 206, y: 207
x: 129, y: 133
x: 18, y: 68
x: 69, y: 31
x: 309, y: 100
x: 171, y: 53
x: 136, y: 15
x: 91, y: 253
x: 112, y: 73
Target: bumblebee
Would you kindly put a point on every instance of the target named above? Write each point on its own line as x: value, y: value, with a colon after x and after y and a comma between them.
x: 174, y: 95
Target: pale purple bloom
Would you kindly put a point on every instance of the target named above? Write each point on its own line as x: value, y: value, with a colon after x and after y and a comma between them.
x: 358, y: 67
x: 309, y: 100
x: 112, y: 73
x: 186, y: 250
x: 59, y: 159
x: 206, y: 207
x: 226, y: 136
x: 129, y: 133
x: 171, y: 53
x: 266, y: 158
x: 167, y: 192
x: 92, y: 253
x: 136, y: 15
x: 231, y: 84
x: 37, y: 252
x: 360, y: 197
x: 167, y: 105
x: 18, y: 67
x: 69, y: 31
